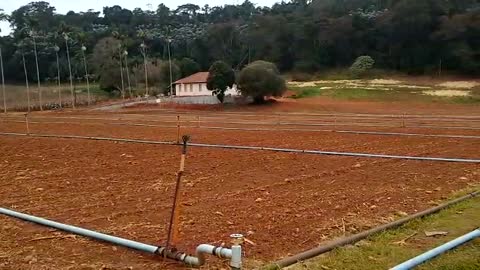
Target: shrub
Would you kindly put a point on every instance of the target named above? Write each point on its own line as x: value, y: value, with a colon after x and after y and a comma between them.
x: 362, y: 65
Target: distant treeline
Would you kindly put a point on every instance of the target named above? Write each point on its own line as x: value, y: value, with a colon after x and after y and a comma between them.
x: 414, y: 36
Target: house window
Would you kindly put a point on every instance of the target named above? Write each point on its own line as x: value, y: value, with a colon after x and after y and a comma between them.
x: 199, y: 87
x: 179, y: 88
x: 191, y: 87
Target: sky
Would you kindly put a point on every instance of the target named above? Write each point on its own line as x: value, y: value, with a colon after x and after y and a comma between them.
x: 63, y: 6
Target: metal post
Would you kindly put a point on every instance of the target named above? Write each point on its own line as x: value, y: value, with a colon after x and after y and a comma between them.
x: 38, y: 72
x: 57, y: 49
x: 86, y: 73
x: 70, y: 71
x: 3, y: 84
x: 26, y: 82
x: 174, y: 217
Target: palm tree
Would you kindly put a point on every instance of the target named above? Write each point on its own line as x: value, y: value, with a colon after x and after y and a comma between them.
x: 3, y: 17
x: 81, y: 38
x: 26, y: 80
x: 57, y: 49
x: 65, y: 36
x: 3, y: 83
x: 143, y: 49
x: 116, y: 35
x: 32, y: 33
x: 83, y: 48
x: 125, y: 53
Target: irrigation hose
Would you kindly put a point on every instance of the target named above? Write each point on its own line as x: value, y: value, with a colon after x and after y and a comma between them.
x: 453, y: 136
x: 242, y: 147
x: 359, y: 236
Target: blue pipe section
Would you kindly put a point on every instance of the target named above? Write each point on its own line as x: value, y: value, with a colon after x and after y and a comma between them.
x: 80, y: 231
x: 437, y: 251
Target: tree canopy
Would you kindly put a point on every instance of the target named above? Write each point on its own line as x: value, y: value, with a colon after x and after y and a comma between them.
x: 220, y: 78
x: 297, y: 35
x: 260, y: 79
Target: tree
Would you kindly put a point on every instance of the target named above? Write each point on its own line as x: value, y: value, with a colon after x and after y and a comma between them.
x: 260, y: 79
x: 188, y: 67
x: 105, y: 63
x: 361, y: 65
x: 220, y: 78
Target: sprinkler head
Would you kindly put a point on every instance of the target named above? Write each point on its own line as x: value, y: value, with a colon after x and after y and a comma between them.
x: 56, y: 48
x: 185, y: 138
x: 84, y: 48
x: 125, y: 53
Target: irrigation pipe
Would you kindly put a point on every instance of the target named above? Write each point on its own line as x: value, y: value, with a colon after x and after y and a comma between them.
x: 270, y: 123
x: 437, y: 251
x: 325, y: 114
x: 242, y: 147
x: 359, y: 236
x: 266, y: 129
x: 234, y: 254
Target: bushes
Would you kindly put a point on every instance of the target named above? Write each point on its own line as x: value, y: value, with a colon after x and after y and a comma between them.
x: 362, y: 65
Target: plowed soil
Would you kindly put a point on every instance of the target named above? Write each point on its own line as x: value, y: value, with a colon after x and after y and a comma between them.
x: 283, y: 202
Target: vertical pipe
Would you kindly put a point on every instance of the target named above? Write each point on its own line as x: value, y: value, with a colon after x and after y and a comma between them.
x: 3, y: 84
x: 70, y: 71
x: 178, y: 128
x: 26, y: 81
x: 175, y: 214
x: 38, y: 72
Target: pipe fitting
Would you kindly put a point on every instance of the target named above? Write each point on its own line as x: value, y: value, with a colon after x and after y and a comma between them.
x: 236, y: 259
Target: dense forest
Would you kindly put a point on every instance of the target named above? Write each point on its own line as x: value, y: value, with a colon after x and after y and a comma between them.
x: 413, y: 36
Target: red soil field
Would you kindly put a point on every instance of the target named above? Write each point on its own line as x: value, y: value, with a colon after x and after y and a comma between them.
x: 283, y: 202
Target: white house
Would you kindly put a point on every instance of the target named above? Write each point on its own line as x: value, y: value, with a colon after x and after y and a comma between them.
x: 196, y: 85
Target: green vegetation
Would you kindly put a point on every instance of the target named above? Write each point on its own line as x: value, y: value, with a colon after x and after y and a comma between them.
x: 395, y: 246
x: 220, y: 78
x: 430, y: 36
x: 362, y: 65
x: 260, y: 79
x: 380, y: 93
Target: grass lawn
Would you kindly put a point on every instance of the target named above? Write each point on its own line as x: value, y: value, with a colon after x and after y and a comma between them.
x: 392, y: 247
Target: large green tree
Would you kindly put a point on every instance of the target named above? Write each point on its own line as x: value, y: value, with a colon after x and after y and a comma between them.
x: 220, y: 77
x: 261, y: 79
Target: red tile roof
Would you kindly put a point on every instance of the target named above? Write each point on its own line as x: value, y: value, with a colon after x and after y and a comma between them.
x: 200, y: 77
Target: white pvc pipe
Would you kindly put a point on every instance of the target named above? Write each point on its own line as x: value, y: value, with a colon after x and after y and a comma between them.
x: 201, y: 251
